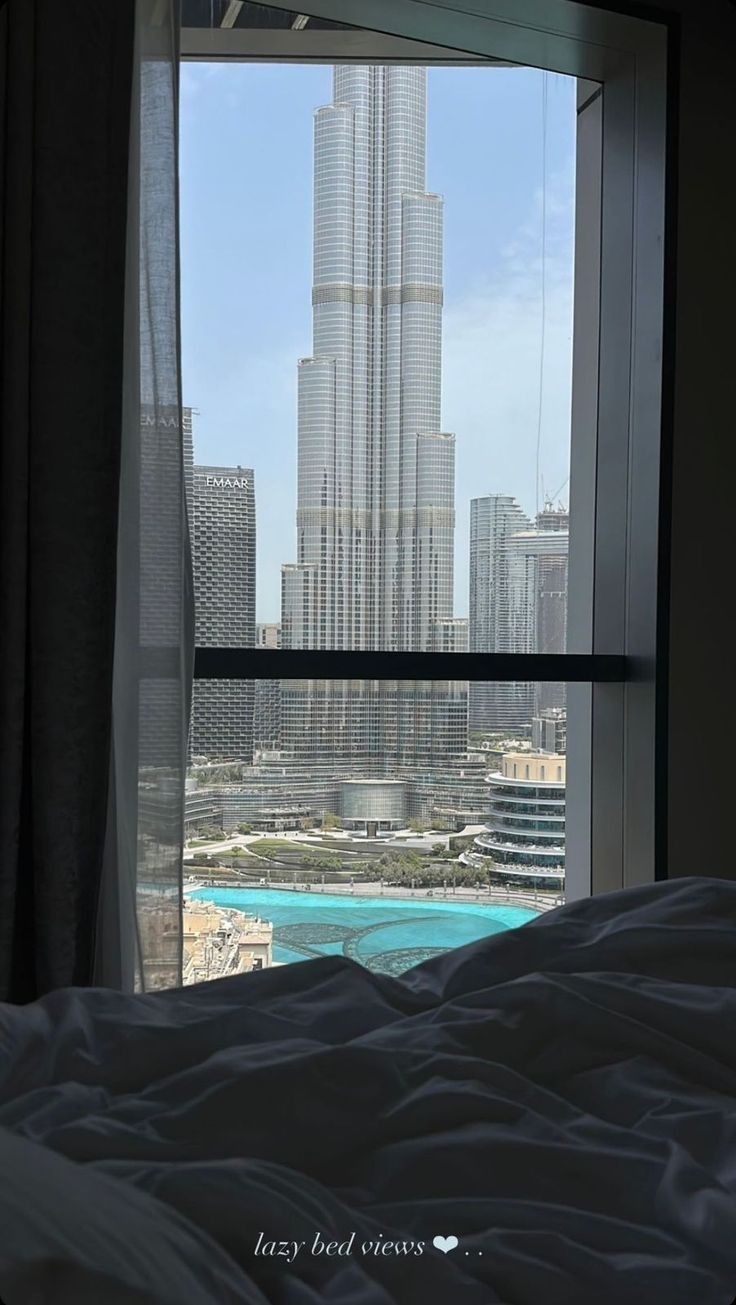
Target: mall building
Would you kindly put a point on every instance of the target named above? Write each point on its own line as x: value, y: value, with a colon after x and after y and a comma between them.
x: 523, y: 844
x: 279, y: 797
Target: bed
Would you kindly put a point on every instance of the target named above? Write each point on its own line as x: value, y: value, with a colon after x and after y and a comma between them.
x: 548, y: 1115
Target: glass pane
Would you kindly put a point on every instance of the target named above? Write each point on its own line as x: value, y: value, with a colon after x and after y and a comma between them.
x: 377, y: 269
x: 333, y: 848
x: 377, y: 312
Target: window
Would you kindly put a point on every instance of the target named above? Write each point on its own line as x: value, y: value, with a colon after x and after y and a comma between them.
x: 328, y: 712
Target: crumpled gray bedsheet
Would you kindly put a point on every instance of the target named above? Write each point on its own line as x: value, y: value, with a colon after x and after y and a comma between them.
x: 561, y: 1098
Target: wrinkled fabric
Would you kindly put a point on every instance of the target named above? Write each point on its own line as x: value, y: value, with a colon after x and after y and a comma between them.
x: 560, y: 1097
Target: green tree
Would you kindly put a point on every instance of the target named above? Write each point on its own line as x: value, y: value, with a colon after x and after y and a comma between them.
x: 401, y: 865
x: 459, y: 842
x: 245, y: 829
x: 321, y: 861
x: 331, y: 821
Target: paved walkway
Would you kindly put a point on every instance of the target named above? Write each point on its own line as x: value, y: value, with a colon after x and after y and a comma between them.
x: 496, y: 897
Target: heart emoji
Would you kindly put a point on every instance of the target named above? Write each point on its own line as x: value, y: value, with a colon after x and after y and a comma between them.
x: 445, y: 1244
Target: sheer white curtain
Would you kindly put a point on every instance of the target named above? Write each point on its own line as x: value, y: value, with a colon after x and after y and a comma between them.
x: 139, y: 933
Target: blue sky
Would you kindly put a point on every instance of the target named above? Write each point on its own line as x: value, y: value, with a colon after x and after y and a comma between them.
x: 246, y: 233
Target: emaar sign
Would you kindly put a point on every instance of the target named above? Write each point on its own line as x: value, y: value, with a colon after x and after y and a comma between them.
x: 227, y: 482
x: 164, y: 423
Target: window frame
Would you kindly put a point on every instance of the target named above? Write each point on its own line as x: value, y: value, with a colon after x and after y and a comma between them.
x: 616, y: 666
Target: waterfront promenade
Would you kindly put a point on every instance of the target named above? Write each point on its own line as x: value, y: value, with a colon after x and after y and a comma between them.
x: 490, y: 896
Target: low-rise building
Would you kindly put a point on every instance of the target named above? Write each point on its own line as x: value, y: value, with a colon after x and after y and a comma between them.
x: 217, y: 943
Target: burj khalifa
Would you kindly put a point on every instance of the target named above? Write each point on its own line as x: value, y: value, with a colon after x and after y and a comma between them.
x: 375, y: 492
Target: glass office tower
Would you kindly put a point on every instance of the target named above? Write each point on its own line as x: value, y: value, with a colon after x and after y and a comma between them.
x: 375, y: 498
x: 223, y: 534
x: 518, y: 604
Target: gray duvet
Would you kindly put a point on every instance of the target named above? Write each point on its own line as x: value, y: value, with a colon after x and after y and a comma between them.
x: 547, y: 1116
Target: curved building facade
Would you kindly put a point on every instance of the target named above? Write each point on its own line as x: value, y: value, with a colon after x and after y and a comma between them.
x: 379, y: 802
x: 524, y: 842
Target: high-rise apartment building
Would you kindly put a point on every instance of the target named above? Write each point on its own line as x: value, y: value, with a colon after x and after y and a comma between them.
x: 494, y: 519
x: 375, y: 497
x: 537, y: 578
x: 518, y: 603
x: 267, y: 696
x: 450, y: 635
x: 549, y: 730
x: 268, y: 634
x: 223, y: 534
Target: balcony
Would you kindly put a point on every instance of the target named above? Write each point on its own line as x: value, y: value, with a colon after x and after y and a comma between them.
x: 499, y: 849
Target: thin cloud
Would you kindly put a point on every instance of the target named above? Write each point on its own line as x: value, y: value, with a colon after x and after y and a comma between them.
x: 491, y: 368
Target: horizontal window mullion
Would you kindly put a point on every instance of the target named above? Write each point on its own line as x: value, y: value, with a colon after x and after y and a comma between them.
x: 331, y: 664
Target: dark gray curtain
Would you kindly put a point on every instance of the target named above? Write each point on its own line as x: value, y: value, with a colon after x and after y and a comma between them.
x: 65, y: 88
x: 139, y: 938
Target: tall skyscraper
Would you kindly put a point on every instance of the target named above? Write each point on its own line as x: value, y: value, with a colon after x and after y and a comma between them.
x: 518, y: 603
x: 267, y: 696
x: 537, y: 571
x: 223, y: 533
x: 375, y: 497
x: 494, y: 519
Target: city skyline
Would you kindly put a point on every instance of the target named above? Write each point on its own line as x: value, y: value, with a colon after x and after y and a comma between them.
x: 379, y: 488
x: 492, y: 249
